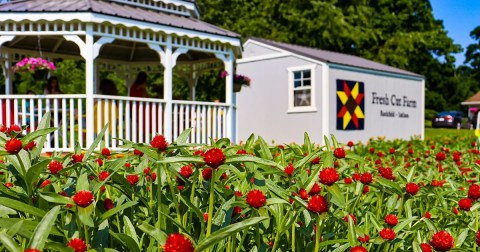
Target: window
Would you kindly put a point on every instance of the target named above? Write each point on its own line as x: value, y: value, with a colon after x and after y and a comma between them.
x: 301, y: 89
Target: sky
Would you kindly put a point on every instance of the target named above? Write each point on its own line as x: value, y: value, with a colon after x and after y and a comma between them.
x: 459, y: 17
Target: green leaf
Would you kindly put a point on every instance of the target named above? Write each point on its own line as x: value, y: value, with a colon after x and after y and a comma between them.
x: 35, y: 171
x: 113, y: 167
x: 9, y: 243
x: 42, y: 231
x: 126, y: 241
x: 117, y: 209
x: 390, y: 185
x: 461, y: 238
x: 82, y: 182
x: 410, y: 174
x: 36, y: 134
x: 403, y: 224
x: 225, y: 232
x: 21, y: 207
x: 248, y: 158
x: 56, y: 198
x: 337, y: 195
x: 85, y: 215
x: 183, y: 137
x: 130, y: 230
x: 352, y: 236
x: 264, y: 150
x: 250, y: 142
x: 43, y: 124
x: 157, y: 234
x: 306, y: 143
x: 181, y: 159
x: 273, y: 201
x: 95, y: 143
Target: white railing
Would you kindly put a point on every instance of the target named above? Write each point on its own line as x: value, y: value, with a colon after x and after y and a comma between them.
x: 67, y: 114
x: 131, y: 118
x: 207, y: 120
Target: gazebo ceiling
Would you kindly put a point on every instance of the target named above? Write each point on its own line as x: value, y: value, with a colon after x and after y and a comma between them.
x: 118, y: 50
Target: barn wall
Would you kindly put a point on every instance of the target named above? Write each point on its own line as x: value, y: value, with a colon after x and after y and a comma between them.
x: 393, y: 106
x: 262, y: 108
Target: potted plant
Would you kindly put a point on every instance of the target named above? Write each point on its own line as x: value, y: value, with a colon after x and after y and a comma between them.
x: 39, y: 67
x: 238, y: 81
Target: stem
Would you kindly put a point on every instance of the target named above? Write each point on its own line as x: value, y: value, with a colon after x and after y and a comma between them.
x: 401, y: 206
x: 317, y: 235
x: 276, y: 241
x: 476, y: 228
x: 85, y: 230
x: 293, y: 237
x: 159, y: 198
x: 174, y: 197
x: 239, y: 247
x: 211, y: 204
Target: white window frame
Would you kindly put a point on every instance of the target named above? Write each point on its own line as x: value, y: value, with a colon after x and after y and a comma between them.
x: 291, y: 85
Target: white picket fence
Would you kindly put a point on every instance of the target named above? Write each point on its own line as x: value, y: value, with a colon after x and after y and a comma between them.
x: 133, y: 119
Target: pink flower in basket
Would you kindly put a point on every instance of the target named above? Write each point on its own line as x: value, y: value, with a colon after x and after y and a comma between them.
x: 237, y: 78
x: 33, y: 64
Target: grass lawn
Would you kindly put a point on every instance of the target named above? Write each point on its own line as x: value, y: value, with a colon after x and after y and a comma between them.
x: 451, y: 133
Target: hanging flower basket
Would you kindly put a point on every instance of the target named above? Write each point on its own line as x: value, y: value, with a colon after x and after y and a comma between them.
x: 33, y: 65
x: 238, y: 81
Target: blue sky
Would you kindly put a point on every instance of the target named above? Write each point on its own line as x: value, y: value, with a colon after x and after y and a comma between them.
x: 459, y: 18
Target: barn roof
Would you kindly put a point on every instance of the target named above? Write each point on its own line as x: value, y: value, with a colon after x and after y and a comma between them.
x: 474, y: 100
x: 335, y: 57
x: 116, y: 9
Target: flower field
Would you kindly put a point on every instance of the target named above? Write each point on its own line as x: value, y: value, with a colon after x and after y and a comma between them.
x: 381, y: 196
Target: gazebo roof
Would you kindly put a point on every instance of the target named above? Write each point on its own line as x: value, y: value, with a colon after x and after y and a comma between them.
x: 474, y: 100
x: 115, y: 9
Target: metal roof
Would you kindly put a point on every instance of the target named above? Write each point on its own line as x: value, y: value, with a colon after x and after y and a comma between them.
x: 117, y: 10
x: 335, y: 57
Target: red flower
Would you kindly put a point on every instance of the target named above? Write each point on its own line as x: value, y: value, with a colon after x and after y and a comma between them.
x: 358, y: 248
x: 146, y: 171
x: 83, y: 198
x: 366, y: 189
x: 366, y: 178
x: 158, y: 142
x: 339, y: 153
x: 350, y: 144
x: 315, y: 189
x: 356, y: 176
x: 45, y: 183
x: 391, y: 219
x: 303, y: 194
x: 256, y: 198
x: 207, y: 173
x: 30, y: 146
x: 289, y: 170
x: 178, y: 243
x: 354, y: 219
x: 391, y: 151
x: 427, y: 215
x: 103, y: 175
x: 425, y: 247
x: 347, y: 181
x: 186, y: 171
x: 77, y: 158
x: 108, y: 204
x: 13, y: 146
x: 387, y: 234
x: 315, y: 161
x: 105, y: 152
x: 9, y: 184
x: 442, y: 241
x: 317, y: 204
x: 132, y: 179
x: 236, y: 210
x: 364, y: 239
x: 440, y: 156
x: 154, y: 176
x: 205, y: 217
x: 55, y: 167
x: 77, y: 244
x: 386, y: 173
x: 137, y: 153
x: 329, y: 176
x: 127, y: 165
x: 412, y: 188
x: 455, y: 211
x: 32, y: 250
x: 14, y: 128
x: 477, y: 236
x: 465, y: 204
x: 99, y: 161
x: 242, y: 152
x: 474, y: 192
x: 214, y: 157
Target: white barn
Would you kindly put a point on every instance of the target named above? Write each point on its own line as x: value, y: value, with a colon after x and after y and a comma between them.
x: 296, y: 89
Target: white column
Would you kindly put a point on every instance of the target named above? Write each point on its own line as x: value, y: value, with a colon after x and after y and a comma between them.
x: 8, y: 73
x: 167, y: 62
x: 90, y: 83
x: 230, y: 99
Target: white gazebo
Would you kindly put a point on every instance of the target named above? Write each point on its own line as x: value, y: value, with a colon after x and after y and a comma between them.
x: 125, y: 36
